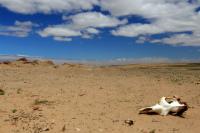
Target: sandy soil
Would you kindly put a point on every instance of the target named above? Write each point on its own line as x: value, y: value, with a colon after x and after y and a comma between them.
x: 42, y: 97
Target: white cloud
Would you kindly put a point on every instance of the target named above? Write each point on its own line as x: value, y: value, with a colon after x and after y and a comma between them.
x: 89, y: 33
x: 59, y: 31
x: 180, y: 39
x: 19, y: 29
x: 174, y: 16
x: 62, y: 39
x: 142, y: 39
x: 133, y: 30
x: 82, y: 24
x: 92, y: 31
x: 147, y: 8
x: 47, y: 6
x: 95, y: 19
x: 164, y: 15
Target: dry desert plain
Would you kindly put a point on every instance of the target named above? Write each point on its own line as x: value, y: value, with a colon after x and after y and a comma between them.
x: 41, y: 97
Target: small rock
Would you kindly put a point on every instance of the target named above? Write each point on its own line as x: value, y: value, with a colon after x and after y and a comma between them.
x: 37, y: 108
x: 2, y: 92
x: 101, y: 88
x: 14, y: 111
x: 78, y: 129
x: 114, y: 121
x: 129, y: 122
x: 45, y: 129
x: 153, y: 131
x: 63, y: 128
x: 82, y: 95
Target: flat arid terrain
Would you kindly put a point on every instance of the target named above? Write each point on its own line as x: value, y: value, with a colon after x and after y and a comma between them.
x: 40, y: 96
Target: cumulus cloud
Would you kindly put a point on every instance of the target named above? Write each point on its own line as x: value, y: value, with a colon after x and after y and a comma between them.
x: 148, y: 8
x: 62, y: 39
x: 180, y: 39
x: 133, y: 30
x: 19, y: 29
x: 47, y: 6
x: 82, y: 24
x: 59, y: 31
x: 164, y: 15
x: 92, y: 31
x: 95, y: 19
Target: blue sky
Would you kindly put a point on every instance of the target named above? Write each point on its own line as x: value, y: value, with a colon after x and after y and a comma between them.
x: 101, y: 30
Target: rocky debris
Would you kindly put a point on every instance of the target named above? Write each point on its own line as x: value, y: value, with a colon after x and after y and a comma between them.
x: 152, y: 131
x: 55, y: 66
x: 39, y: 102
x: 197, y: 83
x: 115, y: 121
x: 64, y: 128
x: 101, y: 88
x: 129, y: 122
x: 33, y: 122
x: 78, y: 129
x: 14, y: 110
x: 82, y: 94
x: 2, y: 92
x: 36, y: 108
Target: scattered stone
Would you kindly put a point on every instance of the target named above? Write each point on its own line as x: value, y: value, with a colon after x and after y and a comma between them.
x: 129, y: 122
x: 14, y: 111
x: 32, y: 122
x: 175, y: 130
x: 101, y: 88
x: 37, y: 108
x: 19, y: 91
x: 63, y: 128
x: 115, y: 121
x: 39, y: 102
x: 45, y: 129
x: 153, y: 131
x: 78, y: 129
x: 82, y: 95
x: 55, y: 66
x: 2, y: 92
x: 197, y: 83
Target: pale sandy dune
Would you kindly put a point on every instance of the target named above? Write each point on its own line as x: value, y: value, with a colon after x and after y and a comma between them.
x: 70, y: 98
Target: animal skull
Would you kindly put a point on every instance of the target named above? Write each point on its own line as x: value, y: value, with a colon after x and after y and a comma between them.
x: 165, y: 106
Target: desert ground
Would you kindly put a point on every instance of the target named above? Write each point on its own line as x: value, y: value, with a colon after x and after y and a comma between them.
x: 39, y: 96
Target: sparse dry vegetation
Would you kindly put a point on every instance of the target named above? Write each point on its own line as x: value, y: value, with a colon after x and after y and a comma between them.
x: 78, y: 98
